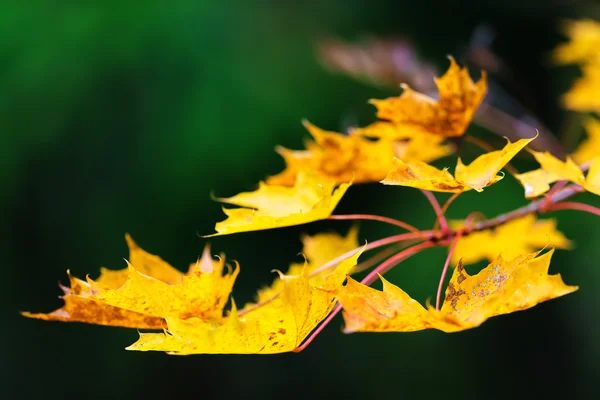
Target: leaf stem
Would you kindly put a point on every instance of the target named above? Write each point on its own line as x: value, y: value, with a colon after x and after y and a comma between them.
x: 395, y: 260
x: 438, y: 210
x: 445, y: 270
x: 445, y: 208
x: 379, y: 218
x: 316, y: 332
x: 385, y: 266
x: 573, y: 205
x: 370, y: 246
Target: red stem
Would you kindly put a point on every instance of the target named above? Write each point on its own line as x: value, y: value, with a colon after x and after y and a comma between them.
x: 572, y: 205
x: 393, y: 261
x: 379, y: 218
x: 437, y: 208
x: 313, y: 335
x: 445, y: 270
x: 367, y: 247
x: 385, y: 266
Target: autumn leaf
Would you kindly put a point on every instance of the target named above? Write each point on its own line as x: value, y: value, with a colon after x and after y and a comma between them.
x: 278, y: 326
x: 450, y: 115
x: 410, y: 145
x: 589, y: 148
x: 482, y: 172
x: 502, y: 287
x: 537, y: 182
x: 518, y: 236
x: 583, y: 44
x: 582, y: 96
x: 336, y: 157
x: 272, y: 206
x: 143, y: 294
x: 81, y: 306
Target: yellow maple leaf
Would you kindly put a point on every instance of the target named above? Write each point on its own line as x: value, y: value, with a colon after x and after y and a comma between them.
x: 310, y: 199
x: 537, y: 182
x: 482, y: 172
x: 81, y: 306
x: 147, y: 294
x: 583, y: 94
x: 450, y: 115
x: 410, y: 145
x: 519, y: 236
x: 278, y: 326
x: 502, y: 287
x: 590, y: 147
x: 583, y: 44
x: 336, y: 157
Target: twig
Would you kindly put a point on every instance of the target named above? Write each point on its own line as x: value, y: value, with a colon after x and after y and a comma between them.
x: 438, y: 210
x: 445, y: 270
x: 573, y: 205
x: 367, y: 247
x: 379, y: 218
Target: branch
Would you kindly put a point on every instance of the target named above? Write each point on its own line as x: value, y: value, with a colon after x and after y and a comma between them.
x: 538, y: 206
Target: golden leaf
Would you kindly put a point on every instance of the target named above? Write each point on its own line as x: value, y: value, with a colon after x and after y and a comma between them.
x: 144, y: 301
x: 450, y: 115
x: 582, y: 96
x: 310, y: 199
x: 537, y: 182
x: 80, y: 306
x: 482, y: 172
x: 590, y: 147
x: 276, y: 327
x: 519, y: 236
x: 410, y: 145
x: 337, y: 157
x: 502, y: 287
x: 583, y: 44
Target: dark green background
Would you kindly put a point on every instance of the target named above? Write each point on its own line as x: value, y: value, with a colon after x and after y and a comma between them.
x: 123, y: 116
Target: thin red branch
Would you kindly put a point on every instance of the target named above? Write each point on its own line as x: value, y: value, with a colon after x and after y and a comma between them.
x: 438, y: 210
x: 370, y: 246
x: 445, y: 270
x: 379, y: 218
x: 382, y: 255
x: 395, y: 260
x: 445, y: 208
x: 386, y: 266
x: 573, y: 205
x: 322, y: 326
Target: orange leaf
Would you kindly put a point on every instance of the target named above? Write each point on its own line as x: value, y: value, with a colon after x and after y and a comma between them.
x: 336, y: 157
x: 450, y: 115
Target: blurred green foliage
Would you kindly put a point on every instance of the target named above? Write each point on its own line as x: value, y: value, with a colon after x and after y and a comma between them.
x: 124, y: 116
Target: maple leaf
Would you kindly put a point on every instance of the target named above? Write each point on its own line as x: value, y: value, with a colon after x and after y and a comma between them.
x: 80, y: 306
x: 584, y: 40
x: 518, y: 236
x: 278, y: 326
x: 337, y: 157
x: 482, y: 172
x: 582, y: 96
x: 410, y: 145
x: 589, y: 148
x: 537, y: 182
x: 450, y: 115
x: 143, y: 294
x: 502, y: 287
x: 271, y: 206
